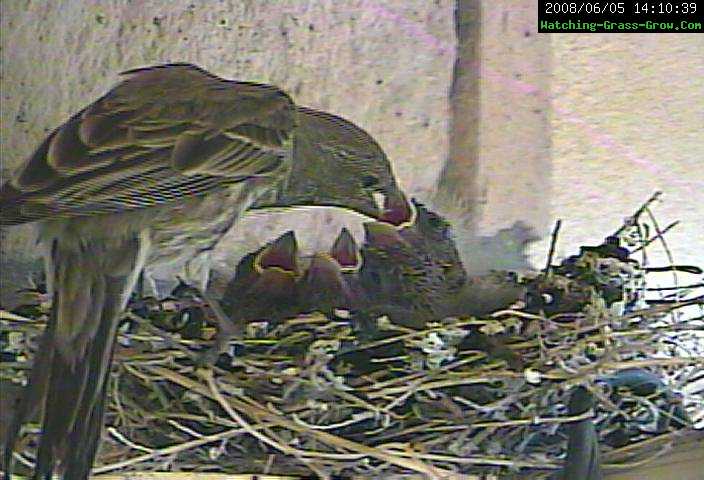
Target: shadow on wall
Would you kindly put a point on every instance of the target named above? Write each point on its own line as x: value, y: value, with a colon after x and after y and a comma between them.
x: 507, y: 249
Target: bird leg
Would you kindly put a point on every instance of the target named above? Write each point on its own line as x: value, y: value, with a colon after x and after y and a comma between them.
x: 226, y: 330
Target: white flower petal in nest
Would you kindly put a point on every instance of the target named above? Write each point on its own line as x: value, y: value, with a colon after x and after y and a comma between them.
x: 532, y: 376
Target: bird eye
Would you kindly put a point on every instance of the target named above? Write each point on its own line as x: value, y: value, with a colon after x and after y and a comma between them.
x: 369, y: 181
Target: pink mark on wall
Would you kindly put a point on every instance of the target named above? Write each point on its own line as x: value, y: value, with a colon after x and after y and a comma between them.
x: 597, y: 136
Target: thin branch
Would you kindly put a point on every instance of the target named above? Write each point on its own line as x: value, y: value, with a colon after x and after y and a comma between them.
x: 553, y: 243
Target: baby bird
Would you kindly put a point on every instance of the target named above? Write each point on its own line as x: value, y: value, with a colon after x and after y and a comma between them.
x: 263, y: 288
x: 416, y: 271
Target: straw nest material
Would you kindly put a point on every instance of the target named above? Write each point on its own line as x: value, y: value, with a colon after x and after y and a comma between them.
x: 310, y: 398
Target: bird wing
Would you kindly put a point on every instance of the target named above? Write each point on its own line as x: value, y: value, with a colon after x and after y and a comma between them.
x: 163, y: 133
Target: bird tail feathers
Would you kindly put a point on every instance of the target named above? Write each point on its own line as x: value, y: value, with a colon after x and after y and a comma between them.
x: 91, y: 285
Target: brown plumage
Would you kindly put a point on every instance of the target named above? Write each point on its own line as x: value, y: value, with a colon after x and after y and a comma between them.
x: 163, y: 134
x: 157, y: 170
x: 417, y: 272
x: 414, y: 275
x: 324, y: 287
x: 338, y: 153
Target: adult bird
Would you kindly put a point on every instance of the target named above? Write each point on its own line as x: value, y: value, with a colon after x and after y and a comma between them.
x: 154, y: 171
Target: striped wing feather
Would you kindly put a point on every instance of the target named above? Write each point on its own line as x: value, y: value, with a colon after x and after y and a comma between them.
x: 162, y: 134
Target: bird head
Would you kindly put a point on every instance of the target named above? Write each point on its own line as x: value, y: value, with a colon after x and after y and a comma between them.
x: 279, y: 257
x: 337, y: 164
x: 388, y: 263
x: 323, y: 286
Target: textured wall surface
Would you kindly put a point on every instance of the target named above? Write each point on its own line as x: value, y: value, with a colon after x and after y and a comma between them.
x: 384, y: 65
x: 514, y: 137
x: 627, y: 119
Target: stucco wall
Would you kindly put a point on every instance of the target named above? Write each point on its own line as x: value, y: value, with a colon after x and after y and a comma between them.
x: 627, y: 118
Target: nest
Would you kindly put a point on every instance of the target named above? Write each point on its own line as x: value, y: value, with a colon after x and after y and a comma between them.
x: 311, y: 398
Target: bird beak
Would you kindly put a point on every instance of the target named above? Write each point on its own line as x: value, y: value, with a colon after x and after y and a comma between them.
x: 390, y: 207
x: 397, y: 210
x: 383, y: 234
x: 282, y: 253
x: 345, y: 252
x: 386, y: 206
x: 323, y: 269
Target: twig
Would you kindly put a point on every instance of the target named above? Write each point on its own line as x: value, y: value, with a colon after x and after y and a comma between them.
x: 633, y: 219
x: 657, y: 236
x: 162, y: 452
x: 322, y: 436
x: 668, y: 252
x: 553, y: 243
x: 13, y: 317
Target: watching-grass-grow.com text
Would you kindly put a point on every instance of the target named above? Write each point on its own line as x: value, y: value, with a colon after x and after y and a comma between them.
x: 575, y: 26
